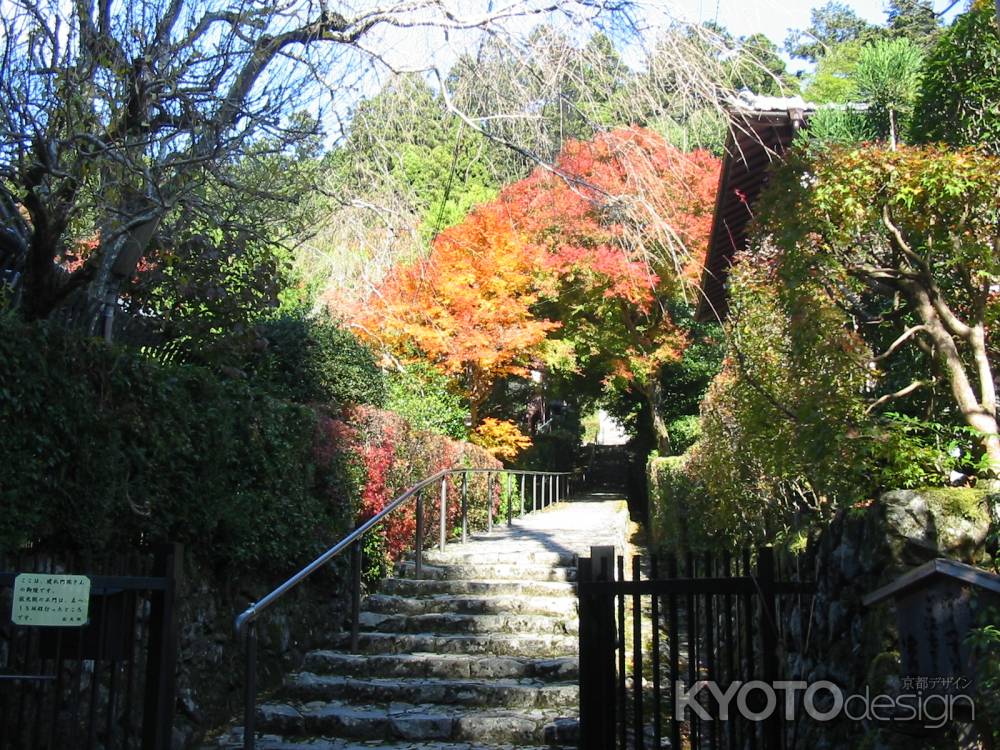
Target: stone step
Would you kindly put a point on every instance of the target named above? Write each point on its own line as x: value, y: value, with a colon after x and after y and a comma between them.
x: 413, y: 587
x: 525, y: 693
x: 447, y: 666
x: 443, y: 622
x: 534, y: 645
x: 473, y: 605
x: 234, y: 741
x: 498, y: 553
x: 492, y: 572
x: 403, y: 721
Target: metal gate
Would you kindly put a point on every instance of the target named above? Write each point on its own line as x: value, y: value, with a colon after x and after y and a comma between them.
x: 709, y: 620
x: 106, y: 684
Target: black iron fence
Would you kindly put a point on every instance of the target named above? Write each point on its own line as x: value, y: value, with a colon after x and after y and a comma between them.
x: 106, y: 683
x: 710, y: 630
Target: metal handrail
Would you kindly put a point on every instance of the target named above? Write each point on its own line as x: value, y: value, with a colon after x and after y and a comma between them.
x: 246, y: 620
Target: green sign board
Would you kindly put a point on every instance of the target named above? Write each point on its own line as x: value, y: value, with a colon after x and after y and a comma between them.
x: 50, y: 600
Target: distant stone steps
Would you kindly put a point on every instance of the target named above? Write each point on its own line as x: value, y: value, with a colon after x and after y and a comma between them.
x: 430, y: 587
x: 553, y: 606
x: 498, y: 644
x: 495, y: 571
x: 447, y: 622
x: 498, y: 553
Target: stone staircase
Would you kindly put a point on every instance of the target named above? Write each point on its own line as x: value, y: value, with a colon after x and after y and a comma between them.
x: 477, y: 653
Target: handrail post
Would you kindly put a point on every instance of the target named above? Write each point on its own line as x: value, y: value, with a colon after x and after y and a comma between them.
x: 444, y: 512
x: 534, y: 489
x: 522, y: 496
x: 356, y: 565
x: 510, y: 501
x: 489, y: 501
x: 558, y: 497
x: 418, y: 557
x: 465, y: 507
x: 250, y: 687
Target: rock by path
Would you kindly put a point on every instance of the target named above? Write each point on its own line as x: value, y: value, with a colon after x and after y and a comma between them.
x: 477, y: 653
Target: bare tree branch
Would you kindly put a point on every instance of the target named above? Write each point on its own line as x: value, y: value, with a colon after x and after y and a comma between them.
x: 901, y: 393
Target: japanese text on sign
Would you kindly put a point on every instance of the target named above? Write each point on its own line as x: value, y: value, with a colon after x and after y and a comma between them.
x: 50, y: 599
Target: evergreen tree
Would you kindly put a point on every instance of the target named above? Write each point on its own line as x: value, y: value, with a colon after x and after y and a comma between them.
x: 914, y: 20
x: 831, y: 25
x: 959, y: 100
x: 888, y: 77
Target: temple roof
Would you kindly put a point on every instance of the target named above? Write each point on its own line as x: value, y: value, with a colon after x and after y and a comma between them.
x: 762, y: 129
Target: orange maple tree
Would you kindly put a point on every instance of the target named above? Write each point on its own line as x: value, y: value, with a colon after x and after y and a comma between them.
x: 467, y: 307
x: 624, y: 222
x: 604, y: 241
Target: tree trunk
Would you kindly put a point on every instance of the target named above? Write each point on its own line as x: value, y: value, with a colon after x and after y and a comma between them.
x: 654, y: 397
x: 980, y: 415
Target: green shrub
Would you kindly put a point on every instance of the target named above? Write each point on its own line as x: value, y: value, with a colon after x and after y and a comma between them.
x: 834, y: 126
x: 984, y: 641
x: 910, y: 453
x: 681, y: 516
x: 314, y: 360
x: 420, y: 395
x: 684, y: 431
x: 106, y: 450
x: 778, y: 446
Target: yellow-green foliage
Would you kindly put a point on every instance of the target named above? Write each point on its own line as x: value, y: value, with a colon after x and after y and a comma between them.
x: 778, y: 422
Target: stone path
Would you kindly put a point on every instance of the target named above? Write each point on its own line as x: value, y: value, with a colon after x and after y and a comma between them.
x: 478, y: 653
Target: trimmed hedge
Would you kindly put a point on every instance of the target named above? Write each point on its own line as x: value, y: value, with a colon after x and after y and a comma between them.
x: 680, y: 515
x: 314, y: 360
x: 104, y: 449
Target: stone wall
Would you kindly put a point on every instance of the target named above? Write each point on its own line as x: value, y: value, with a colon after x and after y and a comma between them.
x: 834, y: 637
x: 210, y: 660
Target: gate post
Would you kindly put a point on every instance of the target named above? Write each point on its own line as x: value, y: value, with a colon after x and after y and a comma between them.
x: 161, y: 656
x: 769, y: 640
x: 597, y: 652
